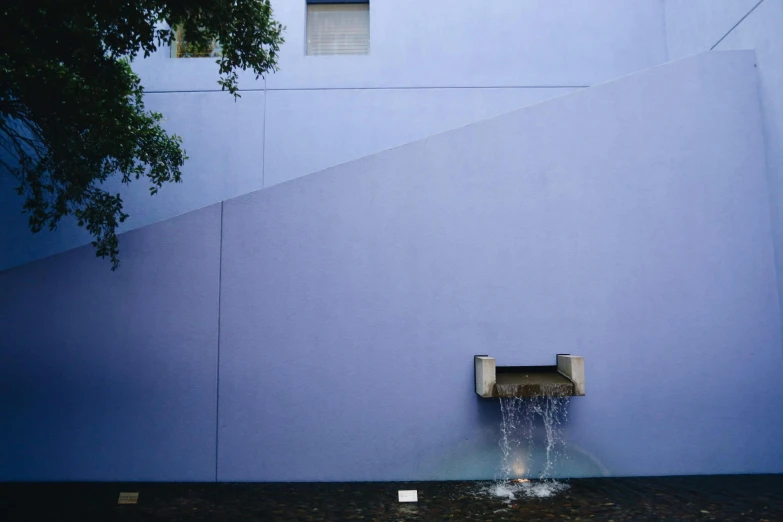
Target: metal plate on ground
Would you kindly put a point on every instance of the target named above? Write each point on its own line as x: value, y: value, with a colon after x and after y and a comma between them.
x: 128, y: 498
x: 410, y: 495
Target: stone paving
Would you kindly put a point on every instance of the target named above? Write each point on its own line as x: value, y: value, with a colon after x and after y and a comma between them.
x: 741, y: 498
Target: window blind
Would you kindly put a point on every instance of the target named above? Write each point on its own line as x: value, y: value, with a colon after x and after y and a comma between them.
x: 338, y: 29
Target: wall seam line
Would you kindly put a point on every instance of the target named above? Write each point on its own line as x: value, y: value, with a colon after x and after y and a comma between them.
x: 217, y: 371
x: 737, y: 24
x: 401, y: 88
x: 426, y: 87
x: 263, y: 141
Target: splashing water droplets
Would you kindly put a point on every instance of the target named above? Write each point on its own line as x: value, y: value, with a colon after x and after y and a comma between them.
x: 526, y: 422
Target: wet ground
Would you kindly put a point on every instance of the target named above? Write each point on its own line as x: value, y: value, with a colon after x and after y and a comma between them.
x: 753, y: 497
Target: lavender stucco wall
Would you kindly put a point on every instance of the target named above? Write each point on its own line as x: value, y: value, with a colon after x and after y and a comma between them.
x: 109, y: 376
x: 695, y: 26
x: 746, y: 24
x: 442, y: 43
x: 434, y: 65
x: 628, y: 223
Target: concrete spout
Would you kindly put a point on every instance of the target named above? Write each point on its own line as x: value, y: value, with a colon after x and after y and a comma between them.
x: 573, y: 368
x: 566, y: 378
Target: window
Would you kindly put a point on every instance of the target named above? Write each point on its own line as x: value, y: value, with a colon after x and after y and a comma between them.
x: 181, y: 48
x: 336, y: 27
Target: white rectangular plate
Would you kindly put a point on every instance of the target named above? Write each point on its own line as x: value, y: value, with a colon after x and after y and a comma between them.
x: 128, y: 498
x: 410, y: 495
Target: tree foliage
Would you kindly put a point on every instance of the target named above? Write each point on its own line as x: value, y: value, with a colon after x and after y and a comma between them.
x: 72, y: 111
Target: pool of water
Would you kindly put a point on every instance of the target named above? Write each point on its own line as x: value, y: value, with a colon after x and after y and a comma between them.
x: 728, y: 497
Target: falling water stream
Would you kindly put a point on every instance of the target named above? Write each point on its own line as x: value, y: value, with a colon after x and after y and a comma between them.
x: 532, y: 442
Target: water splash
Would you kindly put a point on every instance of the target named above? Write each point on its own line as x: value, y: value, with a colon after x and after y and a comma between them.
x: 509, y: 490
x: 526, y: 470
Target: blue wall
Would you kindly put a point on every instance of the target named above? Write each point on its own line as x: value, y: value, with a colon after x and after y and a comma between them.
x: 628, y: 223
x: 113, y: 375
x: 434, y: 65
x: 697, y: 25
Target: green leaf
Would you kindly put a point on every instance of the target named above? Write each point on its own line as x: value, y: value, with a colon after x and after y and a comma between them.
x: 72, y: 112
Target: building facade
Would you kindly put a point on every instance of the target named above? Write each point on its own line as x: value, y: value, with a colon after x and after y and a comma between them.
x: 517, y: 178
